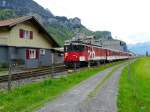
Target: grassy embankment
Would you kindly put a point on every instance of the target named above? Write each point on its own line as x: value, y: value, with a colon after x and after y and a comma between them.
x: 32, y: 96
x: 134, y: 89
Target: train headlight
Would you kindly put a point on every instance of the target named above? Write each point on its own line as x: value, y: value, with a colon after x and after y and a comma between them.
x: 82, y: 58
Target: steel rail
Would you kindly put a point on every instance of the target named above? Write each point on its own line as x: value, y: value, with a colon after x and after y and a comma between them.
x: 33, y: 73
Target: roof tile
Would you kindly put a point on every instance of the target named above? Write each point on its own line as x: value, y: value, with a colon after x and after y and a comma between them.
x: 10, y: 22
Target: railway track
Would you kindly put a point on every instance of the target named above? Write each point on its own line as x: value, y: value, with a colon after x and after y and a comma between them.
x: 33, y: 73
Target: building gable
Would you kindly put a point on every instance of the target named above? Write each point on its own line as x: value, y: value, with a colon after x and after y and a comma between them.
x: 38, y: 40
x: 20, y: 29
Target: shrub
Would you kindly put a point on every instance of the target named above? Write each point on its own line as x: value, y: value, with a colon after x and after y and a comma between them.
x: 4, y: 65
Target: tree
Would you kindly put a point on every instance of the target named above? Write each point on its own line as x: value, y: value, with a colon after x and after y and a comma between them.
x: 6, y: 13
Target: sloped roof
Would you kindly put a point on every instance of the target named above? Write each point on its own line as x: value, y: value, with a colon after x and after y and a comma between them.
x: 12, y: 22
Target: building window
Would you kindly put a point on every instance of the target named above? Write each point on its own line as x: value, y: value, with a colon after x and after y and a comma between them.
x: 42, y: 51
x: 32, y: 53
x: 25, y: 34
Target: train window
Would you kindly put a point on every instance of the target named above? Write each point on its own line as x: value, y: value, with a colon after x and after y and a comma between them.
x: 65, y: 48
x: 78, y: 48
x: 73, y: 48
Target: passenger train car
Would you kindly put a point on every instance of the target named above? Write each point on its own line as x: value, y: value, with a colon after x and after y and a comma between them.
x: 82, y: 53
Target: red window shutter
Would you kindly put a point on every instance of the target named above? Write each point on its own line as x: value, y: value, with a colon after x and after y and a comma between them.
x: 31, y: 35
x: 37, y: 53
x: 21, y: 33
x: 27, y: 54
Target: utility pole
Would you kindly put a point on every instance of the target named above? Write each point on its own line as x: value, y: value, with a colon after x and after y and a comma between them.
x: 129, y: 71
x: 52, y: 67
x: 89, y: 64
x: 98, y: 63
x: 75, y: 66
x: 146, y: 53
x: 9, y: 76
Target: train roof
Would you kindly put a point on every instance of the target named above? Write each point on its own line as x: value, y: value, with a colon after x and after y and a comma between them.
x: 82, y: 43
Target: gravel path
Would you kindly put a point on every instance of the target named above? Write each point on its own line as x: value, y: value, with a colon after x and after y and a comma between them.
x: 72, y: 100
x: 106, y: 98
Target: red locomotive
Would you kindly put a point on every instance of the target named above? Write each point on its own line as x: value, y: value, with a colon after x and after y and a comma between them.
x: 82, y: 52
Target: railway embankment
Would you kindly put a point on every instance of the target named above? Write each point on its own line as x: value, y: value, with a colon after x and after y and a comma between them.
x: 34, y: 95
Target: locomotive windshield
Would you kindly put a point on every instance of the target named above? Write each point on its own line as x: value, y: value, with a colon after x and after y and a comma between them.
x: 74, y: 48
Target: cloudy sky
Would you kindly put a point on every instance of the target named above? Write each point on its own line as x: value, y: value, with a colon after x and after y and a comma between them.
x: 128, y: 20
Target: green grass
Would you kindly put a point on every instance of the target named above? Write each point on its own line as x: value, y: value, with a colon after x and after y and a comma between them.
x: 3, y: 71
x: 32, y: 96
x: 134, y: 90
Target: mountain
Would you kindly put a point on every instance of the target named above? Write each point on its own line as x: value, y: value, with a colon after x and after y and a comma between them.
x: 140, y: 48
x: 60, y: 27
